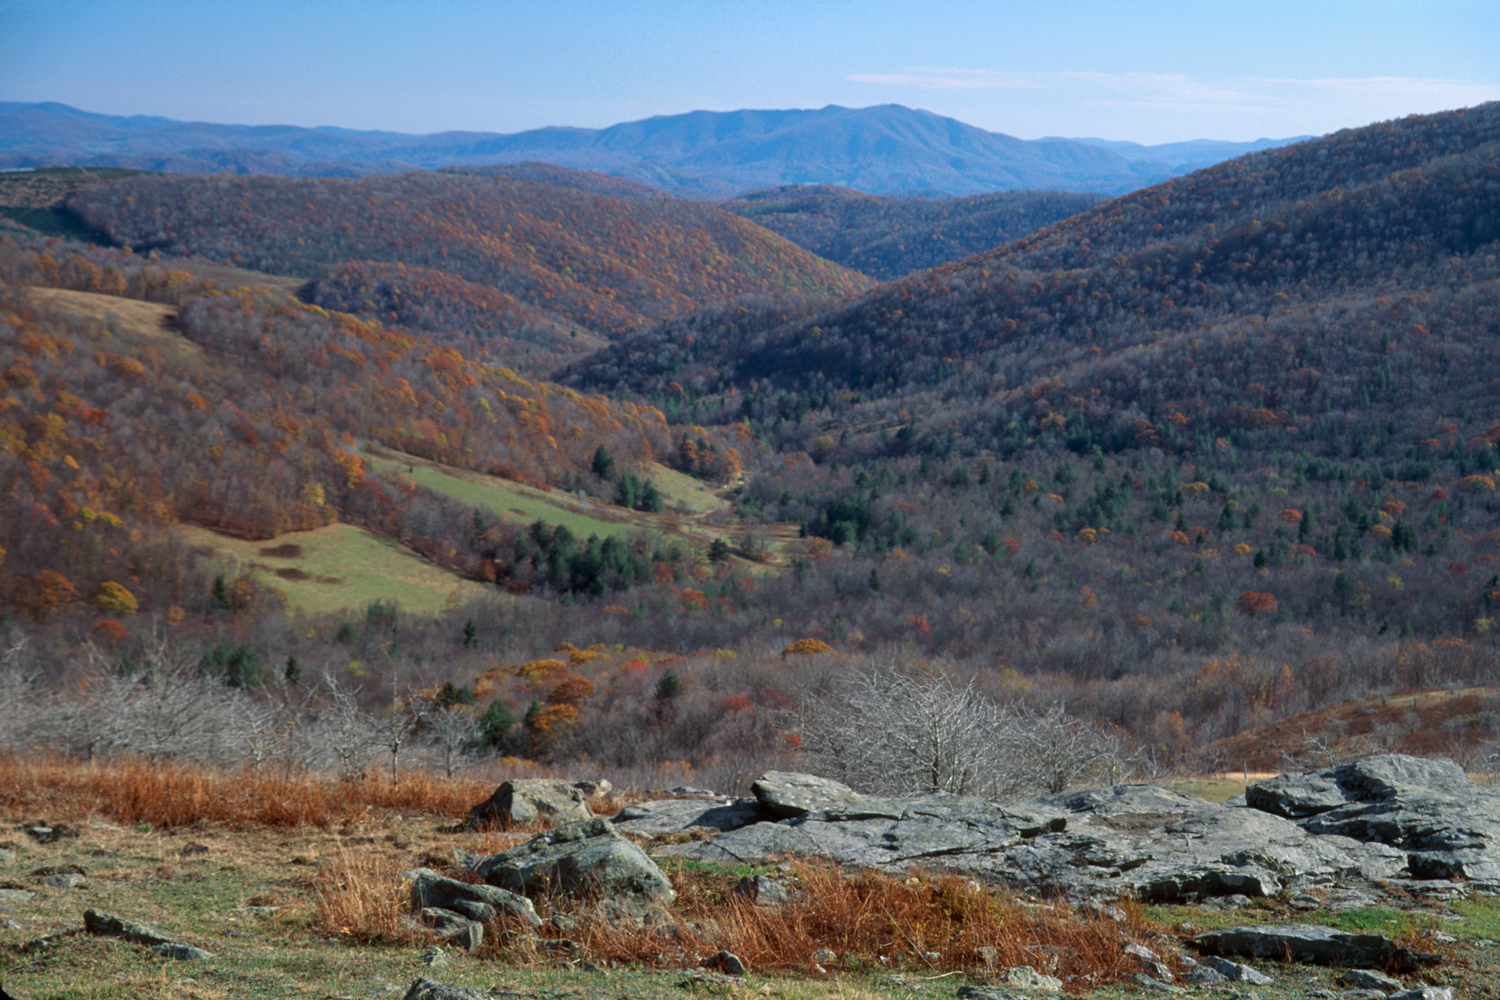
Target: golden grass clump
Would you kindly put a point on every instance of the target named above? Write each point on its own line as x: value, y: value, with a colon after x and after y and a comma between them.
x: 174, y: 795
x: 360, y: 896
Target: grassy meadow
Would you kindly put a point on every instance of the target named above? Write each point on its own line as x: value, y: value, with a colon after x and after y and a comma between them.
x: 343, y: 567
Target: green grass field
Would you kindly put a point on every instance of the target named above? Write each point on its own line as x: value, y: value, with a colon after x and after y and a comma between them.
x: 510, y: 501
x: 342, y: 567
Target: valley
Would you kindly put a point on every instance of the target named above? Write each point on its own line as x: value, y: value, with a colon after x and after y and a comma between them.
x: 1189, y: 464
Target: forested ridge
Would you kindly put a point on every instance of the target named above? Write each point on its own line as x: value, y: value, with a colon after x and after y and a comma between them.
x: 1195, y: 460
x: 887, y: 237
x: 608, y: 264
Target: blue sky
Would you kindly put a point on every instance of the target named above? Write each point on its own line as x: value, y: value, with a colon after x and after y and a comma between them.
x: 1128, y: 69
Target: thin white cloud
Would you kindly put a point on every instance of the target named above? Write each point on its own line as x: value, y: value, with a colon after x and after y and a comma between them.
x: 933, y: 78
x: 1239, y: 105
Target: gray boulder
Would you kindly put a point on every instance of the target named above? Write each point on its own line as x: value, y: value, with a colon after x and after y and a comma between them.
x: 588, y: 859
x: 785, y: 794
x: 527, y: 800
x: 431, y: 890
x: 1311, y: 944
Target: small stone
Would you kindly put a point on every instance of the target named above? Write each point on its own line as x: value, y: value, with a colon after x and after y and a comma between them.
x: 10, y: 925
x: 989, y: 993
x: 471, y: 937
x: 65, y: 880
x: 1368, y: 979
x: 565, y: 922
x: 1425, y: 993
x: 825, y: 956
x: 473, y: 909
x: 1205, y: 977
x: 434, y: 957
x: 1303, y: 901
x: 1235, y: 972
x: 426, y: 989
x: 1145, y: 982
x: 444, y: 922
x: 1024, y: 977
x: 730, y: 963
x: 1104, y: 910
x: 1362, y: 994
x: 182, y: 952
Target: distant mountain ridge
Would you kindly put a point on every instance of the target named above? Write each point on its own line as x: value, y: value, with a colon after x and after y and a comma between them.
x: 888, y: 149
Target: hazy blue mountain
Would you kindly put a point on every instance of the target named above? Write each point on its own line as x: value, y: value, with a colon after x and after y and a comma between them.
x: 1185, y: 157
x: 887, y: 149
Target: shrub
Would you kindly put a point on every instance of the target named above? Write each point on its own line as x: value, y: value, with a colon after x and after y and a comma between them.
x: 883, y: 730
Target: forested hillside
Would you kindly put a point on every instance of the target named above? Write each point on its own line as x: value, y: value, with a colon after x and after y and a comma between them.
x: 892, y: 237
x: 249, y: 416
x: 607, y: 264
x: 1193, y: 461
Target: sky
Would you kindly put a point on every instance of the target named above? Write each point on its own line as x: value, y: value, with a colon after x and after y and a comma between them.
x: 1141, y: 70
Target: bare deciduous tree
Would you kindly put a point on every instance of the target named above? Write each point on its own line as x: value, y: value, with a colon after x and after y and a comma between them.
x: 895, y: 732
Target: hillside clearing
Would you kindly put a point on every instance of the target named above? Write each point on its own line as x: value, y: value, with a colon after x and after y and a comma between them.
x: 144, y: 319
x: 343, y: 567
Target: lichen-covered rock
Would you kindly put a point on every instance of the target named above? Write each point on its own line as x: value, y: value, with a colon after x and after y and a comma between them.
x: 588, y: 859
x: 527, y: 800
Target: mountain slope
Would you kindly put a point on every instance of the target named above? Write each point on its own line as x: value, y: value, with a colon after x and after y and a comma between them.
x: 885, y: 149
x: 608, y: 264
x: 892, y: 237
x: 1387, y: 210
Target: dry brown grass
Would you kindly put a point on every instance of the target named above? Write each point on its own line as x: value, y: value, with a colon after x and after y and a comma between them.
x: 171, y: 795
x: 871, y: 921
x: 360, y: 896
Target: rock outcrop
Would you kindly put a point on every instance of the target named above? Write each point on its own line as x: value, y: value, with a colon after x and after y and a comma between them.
x: 1340, y: 833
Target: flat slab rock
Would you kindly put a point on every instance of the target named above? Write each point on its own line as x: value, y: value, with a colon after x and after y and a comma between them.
x: 1312, y: 944
x: 1420, y: 823
x: 652, y: 819
x: 1127, y: 838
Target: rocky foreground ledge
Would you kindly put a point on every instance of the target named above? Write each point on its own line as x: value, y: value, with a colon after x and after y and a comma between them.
x: 1388, y: 824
